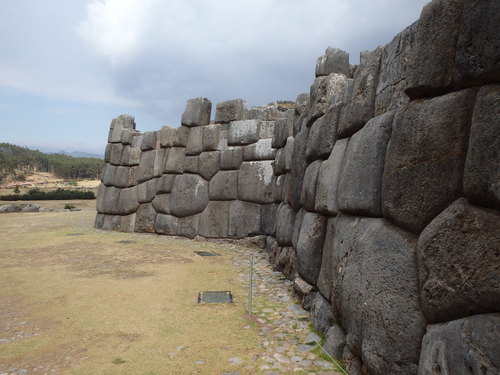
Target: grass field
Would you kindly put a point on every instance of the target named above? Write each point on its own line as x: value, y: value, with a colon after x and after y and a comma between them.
x: 75, y: 300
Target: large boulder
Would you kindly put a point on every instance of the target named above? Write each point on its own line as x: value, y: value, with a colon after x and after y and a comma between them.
x: 322, y: 315
x: 167, y: 135
x: 243, y: 132
x: 458, y: 255
x: 260, y: 150
x: 482, y: 166
x: 465, y: 346
x: 189, y: 195
x: 308, y: 194
x: 209, y: 164
x: 231, y: 158
x: 149, y: 140
x: 160, y: 160
x: 298, y: 165
x: 166, y: 224
x: 191, y: 164
x: 174, y: 162
x: 146, y: 191
x: 181, y: 136
x: 165, y: 183
x: 310, y: 246
x: 115, y: 154
x: 128, y: 203
x: 197, y: 112
x: 325, y: 277
x: 125, y: 177
x: 285, y: 221
x: 268, y: 215
x: 282, y: 131
x: 161, y: 203
x: 333, y: 61
x: 322, y: 91
x: 211, y: 137
x: 108, y: 174
x: 195, y: 142
x: 244, y: 219
x: 256, y: 182
x: 230, y: 110
x: 188, y: 226
x: 224, y: 186
x: 145, y: 171
x: 360, y: 182
x: 214, y: 220
x: 425, y: 159
x: 118, y: 124
x: 145, y: 218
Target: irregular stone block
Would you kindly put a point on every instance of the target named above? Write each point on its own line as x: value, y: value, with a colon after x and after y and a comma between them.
x: 335, y: 341
x: 117, y: 125
x: 167, y: 135
x: 166, y: 224
x: 111, y: 222
x: 107, y: 154
x: 125, y: 177
x: 181, y: 136
x: 145, y: 218
x: 281, y: 133
x: 191, y: 164
x: 287, y: 189
x: 165, y: 183
x: 464, y: 346
x: 188, y: 226
x: 269, y: 218
x: 197, y: 112
x: 174, y: 163
x: 425, y: 159
x: 286, y: 262
x: 243, y: 132
x: 131, y: 156
x: 323, y: 134
x: 195, y: 142
x: 296, y: 228
x: 266, y: 130
x: 127, y: 223
x: 99, y: 204
x: 110, y: 201
x: 108, y: 174
x: 374, y: 282
x: 279, y: 163
x: 211, y: 137
x: 452, y: 249
x: 146, y: 191
x: 322, y: 315
x: 322, y: 91
x: 230, y: 110
x: 189, y: 195
x: 361, y: 107
x: 127, y: 203
x: 308, y: 195
x: 256, y: 182
x: 149, y: 141
x: 99, y: 221
x: 115, y: 155
x: 302, y: 103
x: 360, y: 182
x: 127, y: 136
x: 224, y: 186
x: 231, y: 158
x: 161, y: 203
x: 280, y: 182
x: 333, y: 61
x: 209, y: 164
x: 325, y: 277
x: 145, y: 171
x: 285, y: 221
x: 288, y: 150
x: 244, y: 219
x: 328, y: 177
x: 261, y: 150
x: 478, y: 45
x: 298, y: 166
x: 434, y: 49
x: 160, y: 159
x: 310, y: 246
x: 482, y: 171
x: 214, y: 220
x: 137, y: 140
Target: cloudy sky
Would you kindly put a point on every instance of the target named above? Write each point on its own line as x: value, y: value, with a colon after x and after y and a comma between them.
x: 68, y: 67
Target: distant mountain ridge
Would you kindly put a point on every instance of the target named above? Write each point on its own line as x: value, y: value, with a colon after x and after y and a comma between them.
x: 78, y: 154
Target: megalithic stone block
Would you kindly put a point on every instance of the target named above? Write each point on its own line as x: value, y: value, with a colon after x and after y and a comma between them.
x: 310, y: 246
x: 256, y: 182
x: 167, y: 135
x: 230, y: 110
x: 333, y: 61
x: 117, y: 126
x: 214, y: 220
x: 189, y: 195
x: 244, y: 219
x: 197, y: 112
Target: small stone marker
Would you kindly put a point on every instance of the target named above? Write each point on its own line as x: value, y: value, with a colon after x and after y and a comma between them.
x: 76, y: 234
x: 215, y: 297
x: 206, y: 254
x: 125, y: 241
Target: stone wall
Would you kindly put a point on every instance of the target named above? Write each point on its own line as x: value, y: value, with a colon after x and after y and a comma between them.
x: 378, y: 192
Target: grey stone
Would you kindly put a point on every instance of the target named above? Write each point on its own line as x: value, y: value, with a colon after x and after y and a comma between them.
x: 181, y: 136
x: 244, y: 219
x: 127, y: 136
x: 361, y: 107
x: 302, y: 103
x: 285, y: 221
x: 464, y: 346
x: 99, y: 220
x: 243, y: 132
x: 266, y: 130
x: 279, y: 163
x: 166, y: 224
x: 223, y: 186
x: 9, y: 208
x: 161, y: 203
x: 425, y: 159
x: 31, y: 207
x: 310, y: 246
x: 130, y: 156
x: 174, y: 162
x: 209, y: 164
x: 99, y: 204
x: 214, y: 220
x: 322, y: 315
x: 322, y: 91
x: 374, y: 282
x: 325, y: 277
x: 335, y: 341
x: 328, y: 177
x: 160, y: 160
x: 482, y: 166
x: 165, y: 183
x: 109, y: 201
x: 125, y: 177
x: 308, y: 194
x: 127, y: 223
x: 117, y: 125
x: 145, y: 218
x: 286, y: 189
x: 282, y: 131
x: 298, y: 166
x: 189, y: 195
x: 107, y: 153
x: 360, y: 181
x: 211, y: 137
x: 111, y: 222
x: 149, y: 141
x: 256, y: 182
x: 333, y: 61
x: 231, y: 159
x: 323, y: 134
x: 303, y: 290
x: 146, y: 191
x: 127, y: 203
x: 167, y: 135
x: 261, y: 150
x: 288, y: 151
x: 195, y: 142
x: 269, y: 212
x: 197, y: 112
x: 108, y: 174
x: 296, y: 227
x: 188, y: 226
x: 434, y: 49
x: 145, y: 171
x: 137, y: 140
x: 115, y: 155
x: 478, y: 45
x: 191, y: 164
x: 458, y: 256
x: 230, y: 110
x: 286, y: 262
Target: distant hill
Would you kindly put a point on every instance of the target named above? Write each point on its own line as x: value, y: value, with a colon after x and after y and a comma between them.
x: 79, y: 154
x: 15, y: 158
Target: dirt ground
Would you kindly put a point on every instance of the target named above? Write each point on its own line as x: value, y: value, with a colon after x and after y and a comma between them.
x: 76, y: 300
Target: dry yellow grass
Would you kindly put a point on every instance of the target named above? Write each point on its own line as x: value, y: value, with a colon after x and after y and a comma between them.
x: 75, y: 300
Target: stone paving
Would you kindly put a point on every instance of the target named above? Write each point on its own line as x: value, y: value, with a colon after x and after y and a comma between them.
x: 288, y: 343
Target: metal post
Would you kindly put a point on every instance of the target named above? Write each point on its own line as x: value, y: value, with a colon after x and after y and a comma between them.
x: 250, y: 285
